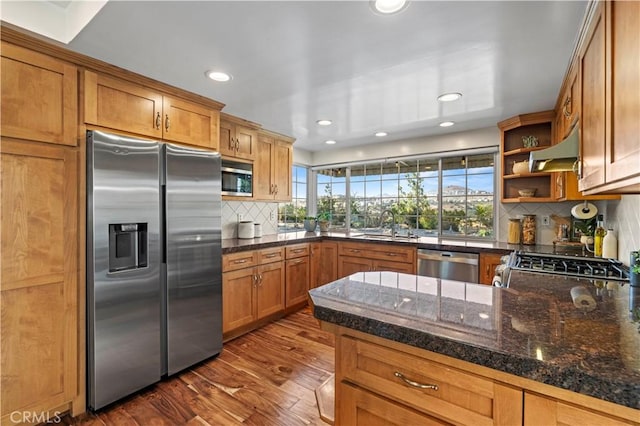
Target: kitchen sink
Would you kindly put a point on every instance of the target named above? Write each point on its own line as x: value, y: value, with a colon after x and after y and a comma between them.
x: 385, y: 237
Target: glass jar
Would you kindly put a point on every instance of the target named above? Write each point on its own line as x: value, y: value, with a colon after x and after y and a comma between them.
x: 513, y: 235
x: 529, y: 229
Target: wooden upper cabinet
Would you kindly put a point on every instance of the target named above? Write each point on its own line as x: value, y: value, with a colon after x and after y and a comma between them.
x: 238, y: 140
x: 282, y: 169
x: 610, y: 97
x: 116, y: 104
x: 190, y: 123
x: 272, y: 167
x: 623, y: 152
x: 263, y: 179
x: 593, y: 133
x: 39, y: 97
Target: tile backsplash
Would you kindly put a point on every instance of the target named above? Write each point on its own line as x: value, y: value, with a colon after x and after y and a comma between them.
x: 263, y: 213
x: 624, y: 218
x: 545, y: 234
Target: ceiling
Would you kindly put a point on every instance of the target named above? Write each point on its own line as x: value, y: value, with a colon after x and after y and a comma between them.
x: 294, y: 62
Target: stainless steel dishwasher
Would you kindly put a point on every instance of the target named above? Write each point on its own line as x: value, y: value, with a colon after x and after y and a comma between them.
x: 448, y: 265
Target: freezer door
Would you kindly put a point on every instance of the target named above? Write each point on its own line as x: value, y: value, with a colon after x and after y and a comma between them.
x: 193, y: 256
x: 123, y: 266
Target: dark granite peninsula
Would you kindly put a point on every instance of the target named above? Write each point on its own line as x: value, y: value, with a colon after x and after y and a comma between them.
x: 569, y: 347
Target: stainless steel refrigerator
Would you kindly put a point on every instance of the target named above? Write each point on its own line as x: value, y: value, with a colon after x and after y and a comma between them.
x: 154, y: 280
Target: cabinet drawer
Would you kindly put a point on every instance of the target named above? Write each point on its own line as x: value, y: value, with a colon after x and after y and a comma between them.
x: 455, y: 396
x: 270, y: 255
x: 243, y: 259
x: 378, y: 251
x: 297, y: 250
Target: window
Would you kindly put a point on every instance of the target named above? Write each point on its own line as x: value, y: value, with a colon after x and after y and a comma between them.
x: 431, y: 196
x: 291, y: 215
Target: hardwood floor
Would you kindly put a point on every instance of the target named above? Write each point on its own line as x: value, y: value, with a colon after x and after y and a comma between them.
x: 266, y: 377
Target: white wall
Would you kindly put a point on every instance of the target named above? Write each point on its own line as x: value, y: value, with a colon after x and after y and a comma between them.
x: 624, y: 218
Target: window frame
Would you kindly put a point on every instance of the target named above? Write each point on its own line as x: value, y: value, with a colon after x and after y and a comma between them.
x: 313, y: 187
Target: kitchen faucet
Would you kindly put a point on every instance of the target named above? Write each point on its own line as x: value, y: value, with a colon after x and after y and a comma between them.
x: 393, y: 221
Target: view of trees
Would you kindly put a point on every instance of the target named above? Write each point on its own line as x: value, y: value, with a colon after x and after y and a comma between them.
x: 464, y: 210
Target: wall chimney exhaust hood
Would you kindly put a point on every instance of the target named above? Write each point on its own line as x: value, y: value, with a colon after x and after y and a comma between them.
x: 558, y: 158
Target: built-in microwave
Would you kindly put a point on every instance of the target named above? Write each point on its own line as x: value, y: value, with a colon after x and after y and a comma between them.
x: 237, y: 178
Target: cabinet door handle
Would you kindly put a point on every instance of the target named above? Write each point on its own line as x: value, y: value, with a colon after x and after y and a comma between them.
x: 237, y: 144
x: 232, y: 144
x: 275, y: 189
x: 260, y: 280
x: 296, y: 262
x: 354, y: 251
x: 414, y: 384
x: 297, y: 251
x: 392, y: 254
x: 269, y: 256
x: 167, y: 122
x: 158, y: 121
x: 255, y: 280
x: 240, y: 261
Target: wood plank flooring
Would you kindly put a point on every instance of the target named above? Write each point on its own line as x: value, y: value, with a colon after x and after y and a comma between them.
x: 266, y: 377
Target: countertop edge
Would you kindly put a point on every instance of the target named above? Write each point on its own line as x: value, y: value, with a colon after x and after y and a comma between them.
x: 234, y: 245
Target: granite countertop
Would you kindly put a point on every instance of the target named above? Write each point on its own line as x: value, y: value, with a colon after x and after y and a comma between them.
x: 232, y: 245
x: 533, y: 329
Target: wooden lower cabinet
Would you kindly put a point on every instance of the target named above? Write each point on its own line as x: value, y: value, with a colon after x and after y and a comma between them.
x: 381, y: 382
x: 297, y: 274
x: 324, y: 263
x: 363, y: 257
x: 421, y: 387
x: 252, y: 291
x: 360, y: 407
x: 540, y: 409
x: 488, y: 264
x: 42, y: 318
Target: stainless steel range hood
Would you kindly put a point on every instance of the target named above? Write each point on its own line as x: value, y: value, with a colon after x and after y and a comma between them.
x: 558, y: 158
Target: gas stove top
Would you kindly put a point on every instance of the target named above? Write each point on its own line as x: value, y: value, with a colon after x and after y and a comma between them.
x: 570, y: 266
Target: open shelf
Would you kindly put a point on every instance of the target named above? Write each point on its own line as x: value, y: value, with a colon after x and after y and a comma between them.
x: 524, y: 175
x: 523, y: 150
x: 512, y: 131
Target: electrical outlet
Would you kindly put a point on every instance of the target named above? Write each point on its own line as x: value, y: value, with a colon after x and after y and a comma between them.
x: 545, y: 220
x: 272, y: 215
x: 240, y: 217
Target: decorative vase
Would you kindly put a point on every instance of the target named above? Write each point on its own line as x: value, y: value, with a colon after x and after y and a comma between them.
x: 324, y: 225
x: 310, y: 225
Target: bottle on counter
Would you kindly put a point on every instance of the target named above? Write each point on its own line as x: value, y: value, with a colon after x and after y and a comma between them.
x: 610, y: 245
x: 529, y: 229
x: 598, y: 237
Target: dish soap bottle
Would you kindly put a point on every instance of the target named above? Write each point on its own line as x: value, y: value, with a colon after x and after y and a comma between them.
x: 598, y: 237
x: 610, y: 245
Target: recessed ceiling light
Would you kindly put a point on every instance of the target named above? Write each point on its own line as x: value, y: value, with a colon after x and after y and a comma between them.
x: 218, y: 76
x: 388, y: 7
x: 381, y: 134
x: 448, y: 97
x: 447, y: 124
x: 324, y: 122
x: 330, y: 142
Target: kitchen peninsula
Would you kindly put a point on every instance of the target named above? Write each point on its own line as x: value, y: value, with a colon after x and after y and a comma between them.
x: 418, y: 349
